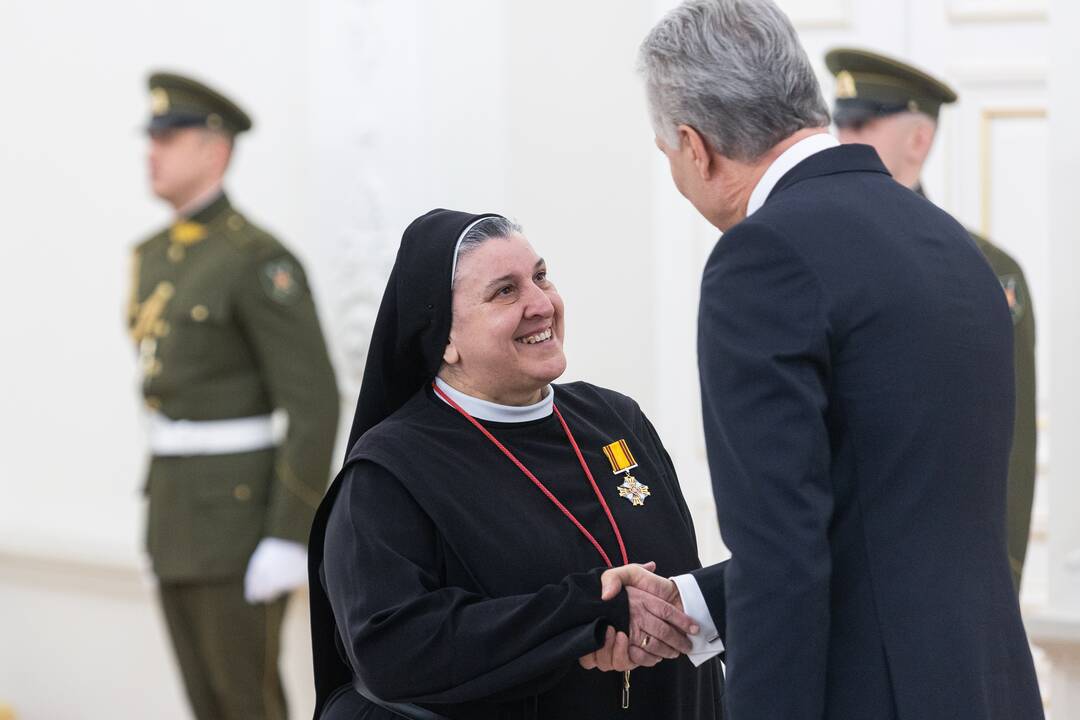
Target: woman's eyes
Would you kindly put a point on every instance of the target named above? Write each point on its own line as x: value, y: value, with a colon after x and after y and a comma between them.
x: 539, y: 278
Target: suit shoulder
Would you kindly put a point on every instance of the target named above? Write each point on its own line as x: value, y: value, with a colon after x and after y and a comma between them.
x: 768, y: 237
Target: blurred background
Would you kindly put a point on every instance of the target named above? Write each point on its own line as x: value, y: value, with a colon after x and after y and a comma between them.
x: 370, y: 112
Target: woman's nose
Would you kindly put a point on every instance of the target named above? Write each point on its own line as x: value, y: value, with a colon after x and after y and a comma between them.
x: 538, y: 304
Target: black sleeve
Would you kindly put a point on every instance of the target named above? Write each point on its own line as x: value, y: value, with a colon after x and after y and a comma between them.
x: 710, y: 581
x: 764, y: 360
x: 411, y: 638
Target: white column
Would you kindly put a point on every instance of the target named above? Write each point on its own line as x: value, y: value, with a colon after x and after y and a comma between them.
x: 1058, y: 630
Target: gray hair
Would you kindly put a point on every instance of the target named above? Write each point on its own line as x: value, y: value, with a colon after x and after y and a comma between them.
x: 734, y: 71
x: 475, y: 235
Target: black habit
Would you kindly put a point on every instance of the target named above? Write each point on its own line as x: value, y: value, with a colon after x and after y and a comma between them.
x: 443, y: 580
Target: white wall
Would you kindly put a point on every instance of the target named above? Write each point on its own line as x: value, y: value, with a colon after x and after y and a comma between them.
x: 368, y: 113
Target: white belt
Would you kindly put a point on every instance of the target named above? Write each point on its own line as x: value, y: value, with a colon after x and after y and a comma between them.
x: 210, y: 437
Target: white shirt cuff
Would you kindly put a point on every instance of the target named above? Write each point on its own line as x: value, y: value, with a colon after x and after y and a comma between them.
x: 707, y: 643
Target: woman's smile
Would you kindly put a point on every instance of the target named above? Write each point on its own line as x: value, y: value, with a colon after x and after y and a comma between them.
x: 536, y: 338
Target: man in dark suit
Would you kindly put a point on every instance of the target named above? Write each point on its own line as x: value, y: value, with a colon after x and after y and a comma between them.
x: 855, y: 352
x: 886, y: 103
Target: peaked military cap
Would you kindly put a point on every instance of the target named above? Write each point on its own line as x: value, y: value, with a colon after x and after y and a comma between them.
x: 870, y: 85
x: 177, y: 101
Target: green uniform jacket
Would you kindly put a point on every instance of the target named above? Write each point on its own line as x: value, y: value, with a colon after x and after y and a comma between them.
x: 1021, y: 487
x: 226, y: 328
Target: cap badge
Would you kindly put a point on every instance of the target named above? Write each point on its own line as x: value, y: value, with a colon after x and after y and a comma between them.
x: 622, y: 461
x: 845, y: 85
x: 159, y: 101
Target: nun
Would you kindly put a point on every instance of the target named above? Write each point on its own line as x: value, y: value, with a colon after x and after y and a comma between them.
x: 455, y: 561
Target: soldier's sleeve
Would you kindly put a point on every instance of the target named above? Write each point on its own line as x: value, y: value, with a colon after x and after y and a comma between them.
x: 1022, y: 461
x: 276, y: 309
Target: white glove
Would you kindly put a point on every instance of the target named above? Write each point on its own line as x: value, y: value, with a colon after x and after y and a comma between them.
x: 276, y: 567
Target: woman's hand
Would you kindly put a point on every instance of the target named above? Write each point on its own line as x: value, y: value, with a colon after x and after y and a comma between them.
x: 614, y: 655
x: 658, y: 627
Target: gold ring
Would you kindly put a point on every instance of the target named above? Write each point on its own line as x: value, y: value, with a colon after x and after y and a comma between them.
x: 645, y: 641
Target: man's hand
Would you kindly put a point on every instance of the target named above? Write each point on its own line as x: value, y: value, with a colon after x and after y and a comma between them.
x: 658, y: 627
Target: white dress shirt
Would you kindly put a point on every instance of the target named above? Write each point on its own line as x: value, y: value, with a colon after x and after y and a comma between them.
x: 781, y: 165
x: 707, y: 643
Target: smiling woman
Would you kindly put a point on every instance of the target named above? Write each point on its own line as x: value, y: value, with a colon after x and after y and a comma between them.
x: 506, y: 340
x: 456, y: 561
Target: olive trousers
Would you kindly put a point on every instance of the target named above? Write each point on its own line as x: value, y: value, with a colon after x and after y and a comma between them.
x: 227, y: 649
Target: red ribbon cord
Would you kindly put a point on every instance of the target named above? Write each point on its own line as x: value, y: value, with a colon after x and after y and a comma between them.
x: 543, y: 488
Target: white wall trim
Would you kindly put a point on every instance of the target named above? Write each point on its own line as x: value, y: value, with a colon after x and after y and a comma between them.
x: 997, y: 11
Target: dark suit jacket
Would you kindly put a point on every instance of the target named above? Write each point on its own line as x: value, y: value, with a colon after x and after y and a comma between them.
x: 855, y: 352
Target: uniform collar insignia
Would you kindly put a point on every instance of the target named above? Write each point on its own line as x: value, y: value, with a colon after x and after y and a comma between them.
x: 187, y: 232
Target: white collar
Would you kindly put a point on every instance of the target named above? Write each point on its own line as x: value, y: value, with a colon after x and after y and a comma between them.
x: 787, y: 160
x: 494, y: 412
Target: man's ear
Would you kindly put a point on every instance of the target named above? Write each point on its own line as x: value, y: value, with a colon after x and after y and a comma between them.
x: 450, y: 355
x: 692, y: 142
x: 922, y: 139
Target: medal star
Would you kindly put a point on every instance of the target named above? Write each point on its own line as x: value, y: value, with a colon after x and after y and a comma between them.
x: 633, y: 491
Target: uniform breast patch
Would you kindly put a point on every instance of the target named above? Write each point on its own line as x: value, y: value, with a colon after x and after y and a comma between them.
x: 1011, y: 285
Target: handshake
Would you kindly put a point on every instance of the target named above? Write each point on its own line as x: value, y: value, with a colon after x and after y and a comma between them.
x: 658, y: 626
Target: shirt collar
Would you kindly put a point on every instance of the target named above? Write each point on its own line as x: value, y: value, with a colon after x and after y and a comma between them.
x: 787, y: 160
x: 494, y: 412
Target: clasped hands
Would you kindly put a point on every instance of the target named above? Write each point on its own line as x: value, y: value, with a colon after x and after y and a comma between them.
x: 658, y: 625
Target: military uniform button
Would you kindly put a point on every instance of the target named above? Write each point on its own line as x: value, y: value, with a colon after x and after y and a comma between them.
x: 242, y: 492
x: 199, y: 313
x: 175, y: 252
x: 154, y: 403
x: 235, y: 222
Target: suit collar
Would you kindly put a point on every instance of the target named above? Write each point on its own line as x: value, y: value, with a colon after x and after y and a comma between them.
x: 841, y: 159
x: 783, y: 163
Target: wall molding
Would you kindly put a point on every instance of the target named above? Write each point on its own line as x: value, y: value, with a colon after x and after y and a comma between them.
x: 997, y: 11
x: 987, y: 117
x: 834, y: 15
x: 998, y: 75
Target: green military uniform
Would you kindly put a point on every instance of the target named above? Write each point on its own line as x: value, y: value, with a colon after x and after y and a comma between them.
x: 868, y: 86
x: 1021, y: 487
x: 226, y: 328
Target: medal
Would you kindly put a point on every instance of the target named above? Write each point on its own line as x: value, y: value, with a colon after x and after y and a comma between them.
x: 622, y: 461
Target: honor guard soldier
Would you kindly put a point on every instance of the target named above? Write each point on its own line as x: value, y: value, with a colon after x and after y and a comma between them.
x: 894, y: 107
x: 227, y: 333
